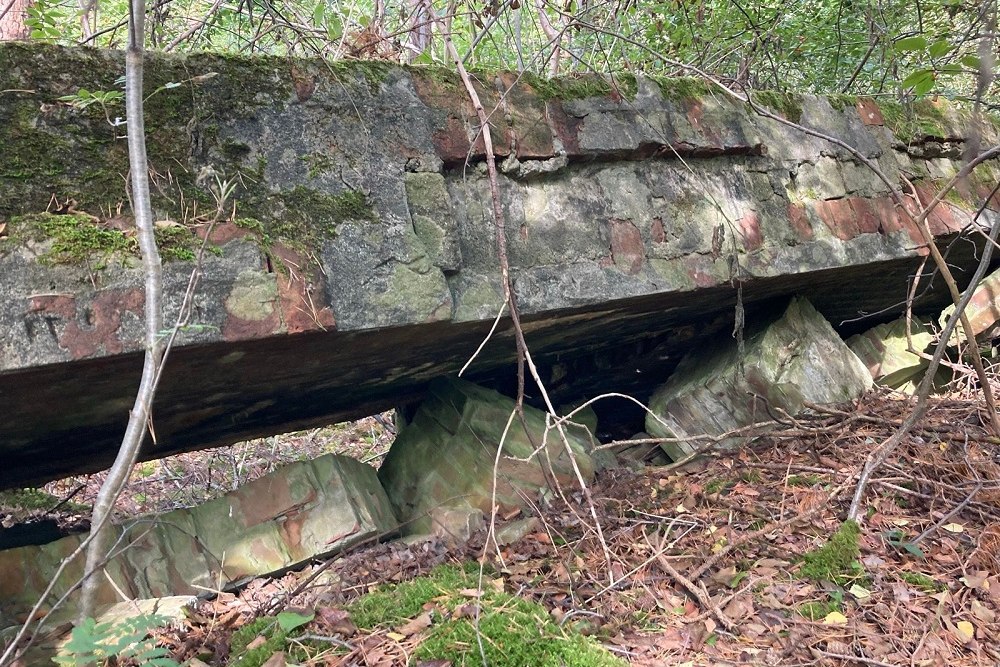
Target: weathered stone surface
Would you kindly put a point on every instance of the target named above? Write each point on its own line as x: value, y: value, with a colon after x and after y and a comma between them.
x: 795, y: 359
x: 885, y: 351
x: 442, y: 462
x: 361, y: 260
x: 983, y: 311
x: 302, y: 511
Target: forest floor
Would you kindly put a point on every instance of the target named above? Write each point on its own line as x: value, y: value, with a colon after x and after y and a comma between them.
x: 735, y: 558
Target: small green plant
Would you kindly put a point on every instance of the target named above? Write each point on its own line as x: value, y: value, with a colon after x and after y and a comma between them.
x: 804, y: 480
x: 817, y: 610
x: 83, y: 98
x: 718, y: 485
x: 44, y: 19
x: 837, y: 560
x: 897, y: 540
x: 110, y: 643
x: 921, y: 581
x: 276, y: 632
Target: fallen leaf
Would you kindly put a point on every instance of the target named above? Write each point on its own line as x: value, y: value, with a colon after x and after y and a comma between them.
x: 471, y: 592
x: 965, y: 631
x: 982, y: 612
x: 953, y: 527
x: 256, y: 642
x: 3, y: 229
x: 277, y: 659
x: 835, y: 618
x: 975, y: 580
x: 724, y: 576
x: 412, y: 627
x: 395, y: 636
x: 335, y: 621
x: 860, y: 592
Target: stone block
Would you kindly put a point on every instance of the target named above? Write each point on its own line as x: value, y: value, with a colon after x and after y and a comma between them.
x: 795, y: 359
x: 983, y: 310
x: 444, y: 459
x: 884, y: 350
x: 306, y: 510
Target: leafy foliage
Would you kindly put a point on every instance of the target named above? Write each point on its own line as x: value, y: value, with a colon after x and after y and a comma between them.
x: 893, y: 48
x: 109, y: 643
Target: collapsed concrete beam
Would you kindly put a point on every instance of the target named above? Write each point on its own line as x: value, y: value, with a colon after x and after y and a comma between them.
x: 360, y: 263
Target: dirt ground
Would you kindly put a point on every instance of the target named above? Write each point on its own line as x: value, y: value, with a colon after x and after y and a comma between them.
x: 720, y: 561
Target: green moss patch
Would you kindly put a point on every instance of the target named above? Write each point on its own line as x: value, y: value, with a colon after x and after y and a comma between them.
x: 582, y: 86
x: 682, y: 88
x: 837, y: 560
x: 916, y: 121
x: 77, y: 238
x: 817, y: 610
x: 787, y: 105
x: 514, y: 631
x: 27, y: 500
x: 921, y: 581
x: 841, y: 101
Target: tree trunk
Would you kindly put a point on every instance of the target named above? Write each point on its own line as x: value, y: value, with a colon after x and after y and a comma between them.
x: 12, y: 16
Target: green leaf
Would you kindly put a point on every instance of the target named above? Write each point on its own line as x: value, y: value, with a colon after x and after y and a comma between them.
x: 918, y: 78
x: 913, y: 549
x: 911, y: 44
x: 334, y: 27
x: 971, y: 61
x: 924, y: 86
x: 939, y: 48
x: 289, y: 620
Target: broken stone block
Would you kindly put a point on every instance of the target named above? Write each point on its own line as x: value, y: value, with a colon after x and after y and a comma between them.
x: 983, y: 311
x: 302, y: 511
x: 455, y: 525
x: 886, y: 352
x: 788, y: 362
x: 306, y: 510
x: 444, y: 457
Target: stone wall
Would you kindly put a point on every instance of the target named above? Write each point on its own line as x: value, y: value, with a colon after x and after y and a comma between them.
x: 360, y: 264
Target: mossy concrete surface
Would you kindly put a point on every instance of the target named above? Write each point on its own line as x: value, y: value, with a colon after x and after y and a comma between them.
x: 349, y: 247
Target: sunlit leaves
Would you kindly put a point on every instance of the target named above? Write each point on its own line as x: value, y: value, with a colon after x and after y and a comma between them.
x: 911, y: 44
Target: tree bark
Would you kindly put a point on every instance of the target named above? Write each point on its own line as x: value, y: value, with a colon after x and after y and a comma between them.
x: 12, y: 16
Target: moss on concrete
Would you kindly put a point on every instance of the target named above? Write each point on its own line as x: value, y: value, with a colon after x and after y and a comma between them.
x: 682, y: 88
x: 788, y: 105
x: 80, y: 239
x: 582, y: 86
x: 916, y: 121
x: 841, y: 101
